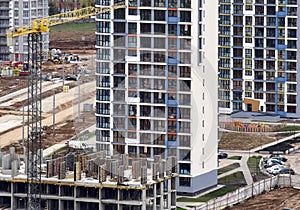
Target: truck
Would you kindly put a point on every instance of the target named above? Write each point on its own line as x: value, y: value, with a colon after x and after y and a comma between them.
x: 75, y: 144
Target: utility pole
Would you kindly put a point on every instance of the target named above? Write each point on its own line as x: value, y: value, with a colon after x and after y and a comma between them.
x: 53, y: 112
x: 63, y: 72
x: 23, y: 124
x: 78, y: 84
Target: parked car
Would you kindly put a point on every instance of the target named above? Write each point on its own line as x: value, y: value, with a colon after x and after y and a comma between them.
x: 222, y: 155
x: 270, y: 164
x: 275, y: 169
x: 287, y: 171
x: 275, y: 161
x: 278, y: 157
x: 71, y: 77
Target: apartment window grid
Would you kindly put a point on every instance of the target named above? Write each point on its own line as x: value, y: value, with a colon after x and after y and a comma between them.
x: 176, y: 73
x: 201, y: 27
x: 224, y: 52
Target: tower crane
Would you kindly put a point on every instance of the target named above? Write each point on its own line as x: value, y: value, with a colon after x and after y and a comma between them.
x: 34, y: 130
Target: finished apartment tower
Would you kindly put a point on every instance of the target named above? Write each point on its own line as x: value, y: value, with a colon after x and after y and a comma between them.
x: 156, y: 79
x: 258, y: 57
x: 21, y: 13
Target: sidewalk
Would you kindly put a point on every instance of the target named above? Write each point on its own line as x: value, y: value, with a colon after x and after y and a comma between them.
x: 243, y: 168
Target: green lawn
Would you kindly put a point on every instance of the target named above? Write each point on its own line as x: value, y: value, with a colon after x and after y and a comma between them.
x: 228, y: 168
x: 74, y: 27
x: 233, y: 179
x: 231, y: 182
x: 178, y: 208
x: 235, y: 158
x: 217, y: 193
x: 90, y: 135
x: 253, y: 165
x: 289, y: 128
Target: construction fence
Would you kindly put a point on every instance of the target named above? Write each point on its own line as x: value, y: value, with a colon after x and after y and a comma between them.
x: 250, y: 127
x: 249, y: 191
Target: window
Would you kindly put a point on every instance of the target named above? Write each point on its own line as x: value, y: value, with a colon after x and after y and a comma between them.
x: 132, y: 41
x: 248, y: 53
x: 119, y: 14
x: 119, y: 27
x: 132, y: 28
x: 103, y: 81
x: 172, y: 13
x: 185, y: 181
x: 185, y: 16
x: 172, y: 30
x: 105, y: 15
x: 159, y: 3
x: 145, y: 14
x: 145, y: 42
x: 159, y: 28
x: 271, y: 21
x: 173, y: 4
x: 146, y: 28
x: 103, y: 122
x: 132, y: 12
x: 185, y: 57
x: 102, y: 67
x: 185, y: 168
x: 102, y: 108
x: 184, y: 155
x: 103, y: 40
x: 159, y: 15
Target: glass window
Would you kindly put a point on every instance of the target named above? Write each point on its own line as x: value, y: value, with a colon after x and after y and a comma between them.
x: 132, y: 28
x: 103, y: 27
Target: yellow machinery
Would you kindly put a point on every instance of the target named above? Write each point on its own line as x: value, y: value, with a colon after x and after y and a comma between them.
x: 34, y: 130
x: 42, y: 25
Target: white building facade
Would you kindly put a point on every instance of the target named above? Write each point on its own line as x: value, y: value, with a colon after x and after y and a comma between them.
x: 258, y: 59
x: 156, y: 78
x: 23, y: 12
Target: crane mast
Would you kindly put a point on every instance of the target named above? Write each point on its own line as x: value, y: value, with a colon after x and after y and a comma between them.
x: 34, y: 121
x: 34, y: 112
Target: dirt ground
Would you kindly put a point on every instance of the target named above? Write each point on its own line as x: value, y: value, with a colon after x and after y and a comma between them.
x: 285, y: 198
x: 73, y: 41
x: 69, y: 42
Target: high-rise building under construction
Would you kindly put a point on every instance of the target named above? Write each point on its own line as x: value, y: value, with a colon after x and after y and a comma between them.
x: 156, y: 78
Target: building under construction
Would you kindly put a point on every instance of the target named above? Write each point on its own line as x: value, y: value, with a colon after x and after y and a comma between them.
x: 92, y: 181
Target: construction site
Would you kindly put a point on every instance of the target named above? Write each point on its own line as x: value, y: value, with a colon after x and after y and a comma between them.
x: 38, y: 169
x: 76, y: 179
x: 82, y: 180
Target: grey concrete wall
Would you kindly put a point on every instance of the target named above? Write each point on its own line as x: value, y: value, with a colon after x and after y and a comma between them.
x: 199, y: 183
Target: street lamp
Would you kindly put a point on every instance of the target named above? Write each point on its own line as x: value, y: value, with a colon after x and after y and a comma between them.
x: 294, y: 129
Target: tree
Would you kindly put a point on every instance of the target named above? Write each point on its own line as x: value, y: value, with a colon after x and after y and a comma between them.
x: 53, y: 8
x: 87, y: 3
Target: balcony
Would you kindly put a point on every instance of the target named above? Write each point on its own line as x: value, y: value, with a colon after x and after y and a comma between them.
x: 258, y: 77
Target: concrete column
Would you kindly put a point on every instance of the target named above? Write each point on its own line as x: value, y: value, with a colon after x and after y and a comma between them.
x: 100, y: 198
x: 118, y: 199
x: 59, y: 200
x: 154, y: 195
x: 144, y: 200
x: 12, y: 198
x: 161, y: 195
x: 75, y: 191
x: 169, y: 193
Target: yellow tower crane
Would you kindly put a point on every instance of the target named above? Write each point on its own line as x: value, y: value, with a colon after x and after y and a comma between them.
x: 33, y: 143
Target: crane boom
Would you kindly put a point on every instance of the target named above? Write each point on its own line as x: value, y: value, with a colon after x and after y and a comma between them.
x: 42, y: 25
